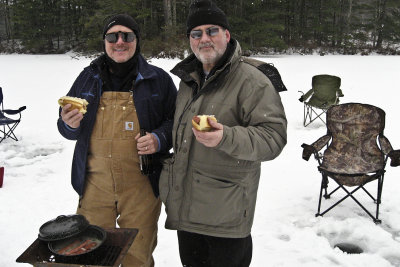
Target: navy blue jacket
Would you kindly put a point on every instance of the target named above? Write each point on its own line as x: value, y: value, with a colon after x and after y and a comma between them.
x: 154, y: 97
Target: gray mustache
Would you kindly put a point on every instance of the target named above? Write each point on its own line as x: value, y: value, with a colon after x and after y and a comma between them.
x: 206, y: 44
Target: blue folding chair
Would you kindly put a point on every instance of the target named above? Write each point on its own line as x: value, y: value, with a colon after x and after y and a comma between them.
x: 8, y: 125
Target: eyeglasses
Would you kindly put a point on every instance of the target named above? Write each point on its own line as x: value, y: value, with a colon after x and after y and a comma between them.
x: 127, y: 37
x: 197, y: 34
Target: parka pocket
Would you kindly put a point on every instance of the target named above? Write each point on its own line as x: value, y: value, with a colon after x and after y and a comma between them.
x: 216, y: 202
x: 166, y: 180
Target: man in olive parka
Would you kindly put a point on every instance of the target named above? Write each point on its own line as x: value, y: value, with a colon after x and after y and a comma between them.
x: 209, y: 186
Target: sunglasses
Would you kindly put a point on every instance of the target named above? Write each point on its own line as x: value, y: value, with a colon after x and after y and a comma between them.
x: 197, y: 34
x: 127, y: 37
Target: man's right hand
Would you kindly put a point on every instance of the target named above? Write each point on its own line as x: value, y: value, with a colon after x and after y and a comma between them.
x: 72, y: 118
x: 210, y: 138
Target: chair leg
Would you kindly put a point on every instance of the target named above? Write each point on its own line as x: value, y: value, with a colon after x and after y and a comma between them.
x: 328, y: 196
x: 338, y: 202
x: 369, y: 194
x: 10, y: 132
x: 320, y: 198
x: 307, y: 115
x: 378, y: 198
x: 3, y: 132
x: 319, y: 115
x: 350, y: 194
x: 324, y: 186
x: 308, y: 112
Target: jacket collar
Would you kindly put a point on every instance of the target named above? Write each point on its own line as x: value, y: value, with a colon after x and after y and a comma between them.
x: 144, y: 69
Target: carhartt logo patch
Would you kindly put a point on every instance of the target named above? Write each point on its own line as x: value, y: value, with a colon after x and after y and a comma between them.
x: 129, y: 126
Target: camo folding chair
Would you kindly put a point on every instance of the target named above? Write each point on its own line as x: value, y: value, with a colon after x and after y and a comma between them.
x: 324, y: 93
x: 355, y: 153
x: 8, y: 125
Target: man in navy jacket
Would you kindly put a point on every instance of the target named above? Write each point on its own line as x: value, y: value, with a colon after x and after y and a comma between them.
x: 125, y: 94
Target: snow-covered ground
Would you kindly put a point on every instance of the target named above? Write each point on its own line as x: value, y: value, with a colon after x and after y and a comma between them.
x: 285, y: 232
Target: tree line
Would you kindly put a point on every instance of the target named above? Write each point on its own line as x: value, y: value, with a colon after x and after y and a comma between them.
x: 261, y: 26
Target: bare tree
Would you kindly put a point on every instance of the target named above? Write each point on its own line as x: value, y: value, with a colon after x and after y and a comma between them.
x: 167, y: 13
x: 380, y: 16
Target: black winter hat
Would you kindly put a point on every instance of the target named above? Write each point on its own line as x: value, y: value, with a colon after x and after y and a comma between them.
x: 124, y: 20
x: 203, y: 12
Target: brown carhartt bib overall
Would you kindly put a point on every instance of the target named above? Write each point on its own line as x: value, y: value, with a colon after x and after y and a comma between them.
x: 116, y: 191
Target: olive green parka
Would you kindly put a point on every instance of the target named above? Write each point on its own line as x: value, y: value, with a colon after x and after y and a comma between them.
x: 213, y: 191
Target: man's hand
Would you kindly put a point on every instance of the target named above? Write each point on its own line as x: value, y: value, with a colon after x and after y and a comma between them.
x: 211, y: 138
x: 72, y: 118
x: 147, y: 144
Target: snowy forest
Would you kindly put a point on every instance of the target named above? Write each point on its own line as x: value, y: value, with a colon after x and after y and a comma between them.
x: 261, y: 26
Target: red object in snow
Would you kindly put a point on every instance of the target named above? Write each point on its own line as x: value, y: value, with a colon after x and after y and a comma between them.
x: 1, y: 176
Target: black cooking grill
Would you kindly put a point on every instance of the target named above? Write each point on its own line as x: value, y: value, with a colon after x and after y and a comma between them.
x: 110, y: 253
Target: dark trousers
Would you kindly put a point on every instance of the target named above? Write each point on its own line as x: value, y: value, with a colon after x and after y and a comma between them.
x: 208, y: 251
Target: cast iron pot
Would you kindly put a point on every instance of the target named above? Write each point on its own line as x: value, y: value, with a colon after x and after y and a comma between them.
x: 71, y: 235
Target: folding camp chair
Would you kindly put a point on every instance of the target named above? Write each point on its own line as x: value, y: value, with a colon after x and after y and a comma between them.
x: 355, y: 152
x: 8, y: 125
x: 324, y: 93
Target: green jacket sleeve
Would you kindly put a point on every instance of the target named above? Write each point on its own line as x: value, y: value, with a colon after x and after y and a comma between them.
x: 263, y: 132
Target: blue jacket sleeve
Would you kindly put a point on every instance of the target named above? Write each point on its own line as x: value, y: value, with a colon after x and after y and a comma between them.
x: 66, y: 131
x: 164, y: 132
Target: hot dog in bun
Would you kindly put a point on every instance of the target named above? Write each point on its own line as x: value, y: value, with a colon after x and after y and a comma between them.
x: 200, y: 122
x: 76, y: 103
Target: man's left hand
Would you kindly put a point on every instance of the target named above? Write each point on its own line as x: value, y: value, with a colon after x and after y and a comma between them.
x: 147, y: 144
x: 211, y: 138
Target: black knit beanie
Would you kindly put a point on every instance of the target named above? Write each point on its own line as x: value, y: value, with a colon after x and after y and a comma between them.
x: 124, y: 20
x: 202, y: 12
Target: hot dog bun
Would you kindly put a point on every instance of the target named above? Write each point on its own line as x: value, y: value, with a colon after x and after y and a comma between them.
x: 200, y: 122
x: 76, y: 103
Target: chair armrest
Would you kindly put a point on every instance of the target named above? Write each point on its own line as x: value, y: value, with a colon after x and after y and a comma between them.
x: 301, y: 99
x: 315, y: 147
x: 307, y: 151
x: 321, y: 142
x: 305, y: 96
x: 394, y: 156
x: 340, y: 93
x: 385, y: 144
x: 14, y: 111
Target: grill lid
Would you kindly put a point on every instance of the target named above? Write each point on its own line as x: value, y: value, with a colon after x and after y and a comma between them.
x: 62, y: 227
